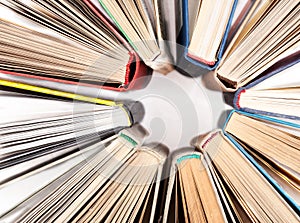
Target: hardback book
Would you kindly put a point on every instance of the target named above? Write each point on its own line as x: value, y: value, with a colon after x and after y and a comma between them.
x: 141, y: 22
x: 275, y: 93
x: 204, y: 33
x: 66, y: 42
x: 16, y: 86
x: 118, y: 181
x: 251, y: 196
x: 192, y: 194
x: 274, y: 145
x: 269, y: 34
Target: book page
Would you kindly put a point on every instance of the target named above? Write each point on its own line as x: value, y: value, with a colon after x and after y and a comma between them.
x: 285, y: 79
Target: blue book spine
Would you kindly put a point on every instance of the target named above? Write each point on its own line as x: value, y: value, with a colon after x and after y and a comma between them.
x: 282, y: 192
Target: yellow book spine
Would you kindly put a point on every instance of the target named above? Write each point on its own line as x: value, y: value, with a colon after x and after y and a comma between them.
x: 63, y: 94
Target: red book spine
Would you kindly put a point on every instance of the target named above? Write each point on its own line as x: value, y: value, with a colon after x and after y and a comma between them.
x: 238, y: 99
x: 210, y: 63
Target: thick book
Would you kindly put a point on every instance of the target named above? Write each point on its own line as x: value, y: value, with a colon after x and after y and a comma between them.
x: 193, y: 28
x: 141, y: 23
x: 136, y: 69
x: 275, y: 93
x: 68, y: 42
x: 192, y: 194
x: 272, y: 146
x: 269, y: 34
x: 33, y: 89
x: 117, y: 181
x: 250, y: 194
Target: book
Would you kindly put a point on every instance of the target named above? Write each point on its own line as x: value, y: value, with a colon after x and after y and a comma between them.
x: 275, y: 93
x: 15, y: 107
x: 269, y: 34
x: 162, y: 15
x: 119, y: 182
x: 82, y: 88
x: 192, y: 194
x: 138, y: 73
x: 66, y: 42
x: 141, y: 24
x: 251, y: 196
x: 33, y: 89
x: 204, y: 33
x: 273, y: 144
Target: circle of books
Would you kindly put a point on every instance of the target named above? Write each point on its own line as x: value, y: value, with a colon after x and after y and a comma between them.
x: 62, y: 161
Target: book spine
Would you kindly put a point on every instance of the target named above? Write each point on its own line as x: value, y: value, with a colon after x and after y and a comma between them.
x: 63, y: 94
x: 201, y: 60
x: 184, y: 40
x: 128, y: 70
x: 237, y: 97
x: 207, y: 140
